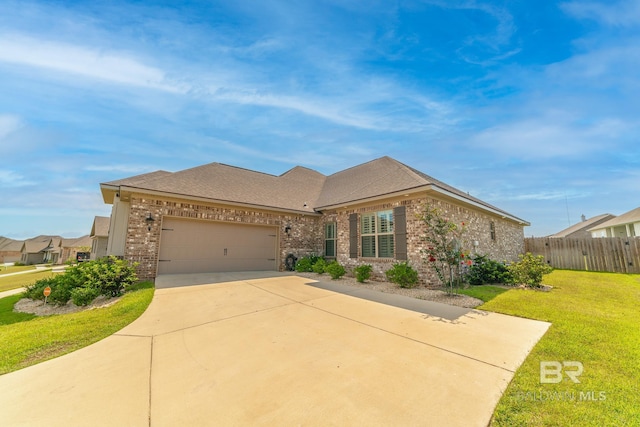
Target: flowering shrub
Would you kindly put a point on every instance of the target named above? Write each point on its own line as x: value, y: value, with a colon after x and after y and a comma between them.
x: 444, y: 252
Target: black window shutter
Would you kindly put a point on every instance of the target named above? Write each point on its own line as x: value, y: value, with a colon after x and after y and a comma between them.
x: 353, y: 236
x: 400, y: 232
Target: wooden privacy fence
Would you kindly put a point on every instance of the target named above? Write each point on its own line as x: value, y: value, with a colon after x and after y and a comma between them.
x: 612, y: 254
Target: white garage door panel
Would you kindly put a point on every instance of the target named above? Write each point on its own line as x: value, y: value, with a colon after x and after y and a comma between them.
x: 189, y: 246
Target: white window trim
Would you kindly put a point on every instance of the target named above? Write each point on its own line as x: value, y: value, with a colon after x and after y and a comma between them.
x: 376, y: 234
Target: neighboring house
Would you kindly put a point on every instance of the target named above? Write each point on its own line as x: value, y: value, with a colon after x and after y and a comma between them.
x: 217, y: 217
x: 99, y: 237
x: 10, y: 250
x: 581, y: 229
x: 69, y: 248
x: 41, y: 250
x: 625, y: 225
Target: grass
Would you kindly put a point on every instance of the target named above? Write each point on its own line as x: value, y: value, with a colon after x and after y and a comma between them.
x: 21, y: 280
x: 35, y: 339
x: 484, y: 292
x: 595, y: 321
x: 7, y: 315
x: 15, y: 269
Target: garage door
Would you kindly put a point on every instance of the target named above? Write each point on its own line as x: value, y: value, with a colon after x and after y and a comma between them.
x: 188, y: 246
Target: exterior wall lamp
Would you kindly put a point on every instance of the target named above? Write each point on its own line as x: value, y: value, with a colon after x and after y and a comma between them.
x: 149, y: 220
x: 287, y: 229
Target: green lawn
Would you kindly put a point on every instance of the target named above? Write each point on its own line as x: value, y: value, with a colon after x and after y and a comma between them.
x: 21, y: 280
x: 595, y: 321
x: 484, y: 292
x: 26, y: 340
x: 7, y: 315
x: 15, y: 269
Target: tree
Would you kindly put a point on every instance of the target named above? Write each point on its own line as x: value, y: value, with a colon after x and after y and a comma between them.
x: 444, y: 252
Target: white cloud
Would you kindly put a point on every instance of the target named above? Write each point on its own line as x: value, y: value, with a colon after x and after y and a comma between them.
x: 493, y: 42
x: 547, y: 137
x: 622, y: 13
x: 8, y: 125
x: 612, y: 66
x: 119, y: 168
x: 114, y: 67
x: 11, y: 179
x: 368, y: 106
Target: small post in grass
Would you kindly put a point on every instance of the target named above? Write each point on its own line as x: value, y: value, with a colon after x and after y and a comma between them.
x: 46, y: 292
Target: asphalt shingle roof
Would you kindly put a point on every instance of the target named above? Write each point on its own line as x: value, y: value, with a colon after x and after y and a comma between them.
x: 100, y: 227
x: 583, y: 225
x: 299, y: 189
x: 10, y: 245
x: 626, y: 218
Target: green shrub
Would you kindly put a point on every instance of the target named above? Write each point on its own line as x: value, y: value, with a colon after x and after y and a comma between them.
x: 19, y: 264
x: 402, y: 274
x: 335, y: 270
x: 110, y: 275
x: 34, y: 290
x: 107, y: 276
x: 305, y: 264
x: 319, y: 266
x: 84, y: 295
x: 363, y: 272
x: 529, y: 270
x: 486, y: 271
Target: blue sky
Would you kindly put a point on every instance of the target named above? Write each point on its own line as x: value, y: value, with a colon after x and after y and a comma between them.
x: 530, y: 105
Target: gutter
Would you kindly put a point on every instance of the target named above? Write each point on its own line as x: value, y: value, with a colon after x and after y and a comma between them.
x: 142, y: 191
x: 428, y: 188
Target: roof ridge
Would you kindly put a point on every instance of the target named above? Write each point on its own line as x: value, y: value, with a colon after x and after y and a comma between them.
x: 361, y: 164
x: 301, y: 167
x: 243, y: 169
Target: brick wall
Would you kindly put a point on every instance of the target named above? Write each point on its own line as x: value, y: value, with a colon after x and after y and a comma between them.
x: 142, y: 245
x: 10, y: 256
x: 508, y: 243
x: 306, y: 235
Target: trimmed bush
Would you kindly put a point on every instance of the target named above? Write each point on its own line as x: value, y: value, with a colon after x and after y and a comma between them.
x: 305, y: 264
x: 335, y: 270
x: 107, y: 276
x: 84, y: 295
x: 486, y: 271
x: 363, y: 272
x: 529, y: 270
x: 402, y: 274
x: 319, y: 266
x: 110, y: 275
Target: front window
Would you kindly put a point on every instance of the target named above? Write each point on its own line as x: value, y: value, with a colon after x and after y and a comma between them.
x: 377, y: 234
x: 330, y: 240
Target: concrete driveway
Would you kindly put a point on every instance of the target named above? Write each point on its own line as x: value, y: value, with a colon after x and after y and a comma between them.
x: 268, y: 349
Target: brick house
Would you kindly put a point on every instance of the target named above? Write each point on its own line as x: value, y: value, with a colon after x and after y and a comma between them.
x: 69, y: 248
x: 10, y: 250
x: 217, y: 217
x: 41, y: 250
